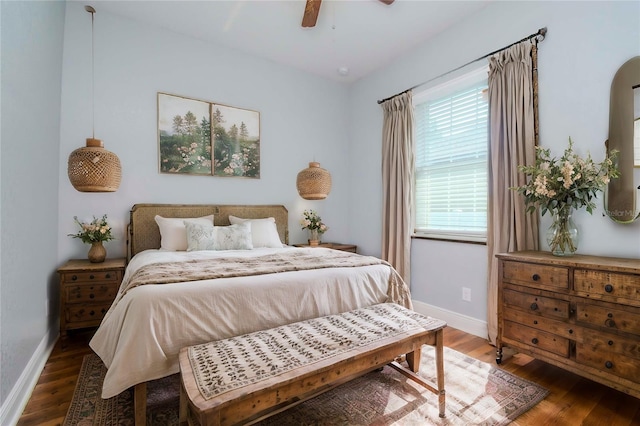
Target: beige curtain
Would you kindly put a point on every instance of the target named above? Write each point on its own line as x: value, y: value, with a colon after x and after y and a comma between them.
x: 397, y: 182
x: 512, y: 140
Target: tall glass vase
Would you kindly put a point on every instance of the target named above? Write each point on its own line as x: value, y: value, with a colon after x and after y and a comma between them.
x: 314, y: 237
x: 562, y: 235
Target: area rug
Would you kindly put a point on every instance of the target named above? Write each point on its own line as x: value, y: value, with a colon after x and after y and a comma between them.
x: 477, y: 394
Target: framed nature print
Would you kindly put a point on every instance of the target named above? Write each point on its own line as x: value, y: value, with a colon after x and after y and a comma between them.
x: 205, y: 138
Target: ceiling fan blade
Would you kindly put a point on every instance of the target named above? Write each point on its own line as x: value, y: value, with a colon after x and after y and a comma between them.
x: 387, y: 2
x: 311, y: 10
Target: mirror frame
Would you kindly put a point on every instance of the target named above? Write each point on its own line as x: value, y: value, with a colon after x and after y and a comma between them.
x: 620, y: 194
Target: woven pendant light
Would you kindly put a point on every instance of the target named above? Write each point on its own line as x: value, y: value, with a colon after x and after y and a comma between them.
x: 92, y: 168
x: 314, y: 182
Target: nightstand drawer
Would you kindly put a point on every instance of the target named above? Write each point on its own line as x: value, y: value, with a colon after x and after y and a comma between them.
x: 85, y: 316
x: 83, y: 277
x: 97, y: 292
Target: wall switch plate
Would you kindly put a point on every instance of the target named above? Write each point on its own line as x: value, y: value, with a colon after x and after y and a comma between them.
x: 466, y: 294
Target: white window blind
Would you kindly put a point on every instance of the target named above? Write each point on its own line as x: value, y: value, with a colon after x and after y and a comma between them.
x: 451, y: 159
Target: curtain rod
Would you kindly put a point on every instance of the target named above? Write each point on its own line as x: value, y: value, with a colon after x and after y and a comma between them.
x: 542, y: 32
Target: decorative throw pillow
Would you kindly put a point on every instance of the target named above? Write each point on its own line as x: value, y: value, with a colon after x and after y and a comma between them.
x: 173, y: 235
x: 200, y: 236
x: 264, y: 232
x: 233, y: 237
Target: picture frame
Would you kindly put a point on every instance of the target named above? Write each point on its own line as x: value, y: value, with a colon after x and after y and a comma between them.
x: 206, y: 138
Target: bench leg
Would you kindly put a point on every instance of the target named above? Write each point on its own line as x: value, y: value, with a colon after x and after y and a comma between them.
x: 183, y: 407
x: 140, y: 404
x: 413, y: 359
x: 440, y: 371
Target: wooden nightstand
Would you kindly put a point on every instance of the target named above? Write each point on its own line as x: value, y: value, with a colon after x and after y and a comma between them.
x: 336, y: 246
x: 87, y: 291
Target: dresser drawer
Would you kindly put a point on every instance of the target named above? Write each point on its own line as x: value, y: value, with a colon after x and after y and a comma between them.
x: 610, y: 343
x: 549, y: 325
x: 536, y: 338
x: 536, y: 304
x: 607, y: 284
x: 90, y: 293
x: 534, y: 275
x: 92, y: 276
x: 608, y: 318
x: 608, y: 361
x: 85, y: 315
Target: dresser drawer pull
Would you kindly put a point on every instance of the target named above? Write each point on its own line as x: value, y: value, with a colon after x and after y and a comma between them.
x: 534, y: 306
x: 608, y: 288
x: 610, y: 342
x: 91, y: 277
x: 534, y: 340
x: 570, y: 331
x: 73, y: 277
x: 608, y: 364
x: 108, y: 276
x: 92, y: 313
x: 610, y: 323
x: 91, y: 296
x: 103, y: 310
x: 535, y: 277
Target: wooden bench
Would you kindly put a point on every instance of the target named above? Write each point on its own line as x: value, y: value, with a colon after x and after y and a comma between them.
x: 388, y: 331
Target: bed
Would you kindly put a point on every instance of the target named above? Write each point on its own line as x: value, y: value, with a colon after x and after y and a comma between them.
x: 141, y: 335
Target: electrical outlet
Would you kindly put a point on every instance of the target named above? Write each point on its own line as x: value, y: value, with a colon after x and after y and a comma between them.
x: 466, y: 294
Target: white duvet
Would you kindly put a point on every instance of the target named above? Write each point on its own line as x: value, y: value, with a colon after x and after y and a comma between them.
x: 140, y: 337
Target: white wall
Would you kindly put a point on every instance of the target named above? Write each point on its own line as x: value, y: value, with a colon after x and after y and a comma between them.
x: 31, y: 72
x: 303, y: 118
x: 585, y: 45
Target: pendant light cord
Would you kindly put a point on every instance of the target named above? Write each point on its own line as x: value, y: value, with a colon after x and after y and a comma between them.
x: 92, y: 11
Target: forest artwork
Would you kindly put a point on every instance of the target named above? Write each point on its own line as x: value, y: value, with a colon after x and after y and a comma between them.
x: 198, y: 137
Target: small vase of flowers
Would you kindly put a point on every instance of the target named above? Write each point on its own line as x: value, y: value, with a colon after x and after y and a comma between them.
x: 313, y: 222
x: 95, y: 233
x: 562, y: 185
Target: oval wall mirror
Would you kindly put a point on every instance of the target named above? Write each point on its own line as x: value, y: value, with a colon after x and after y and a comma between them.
x: 621, y: 195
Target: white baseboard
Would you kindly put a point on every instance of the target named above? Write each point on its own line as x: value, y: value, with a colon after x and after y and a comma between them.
x: 461, y: 322
x: 13, y: 406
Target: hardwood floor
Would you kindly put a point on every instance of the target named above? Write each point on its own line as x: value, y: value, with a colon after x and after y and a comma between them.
x: 572, y: 400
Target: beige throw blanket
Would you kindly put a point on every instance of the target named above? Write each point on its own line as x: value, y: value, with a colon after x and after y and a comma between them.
x: 205, y: 269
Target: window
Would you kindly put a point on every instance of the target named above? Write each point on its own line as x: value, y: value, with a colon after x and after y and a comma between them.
x: 451, y: 159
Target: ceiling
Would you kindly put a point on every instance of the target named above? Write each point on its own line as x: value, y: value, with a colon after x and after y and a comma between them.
x: 352, y: 36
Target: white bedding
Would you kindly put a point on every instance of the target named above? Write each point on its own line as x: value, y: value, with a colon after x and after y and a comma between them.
x: 141, y: 335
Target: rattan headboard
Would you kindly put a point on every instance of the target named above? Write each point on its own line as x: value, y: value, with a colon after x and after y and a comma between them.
x: 144, y: 232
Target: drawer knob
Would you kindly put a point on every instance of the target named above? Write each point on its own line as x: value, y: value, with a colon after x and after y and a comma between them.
x: 534, y: 340
x: 91, y: 277
x: 570, y: 331
x: 92, y: 313
x: 91, y: 296
x: 610, y: 323
x: 608, y: 288
x: 610, y: 342
x: 535, y: 277
x: 103, y: 310
x: 534, y: 306
x: 608, y: 364
x: 74, y: 277
x: 108, y: 276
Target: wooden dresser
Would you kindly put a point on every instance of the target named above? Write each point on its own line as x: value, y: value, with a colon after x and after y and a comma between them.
x: 580, y: 313
x: 87, y: 291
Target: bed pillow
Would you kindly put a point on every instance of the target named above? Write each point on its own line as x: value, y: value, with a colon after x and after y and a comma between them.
x: 173, y: 235
x: 208, y: 237
x: 264, y: 232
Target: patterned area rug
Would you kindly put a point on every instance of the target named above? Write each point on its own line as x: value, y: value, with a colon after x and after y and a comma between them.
x: 477, y: 394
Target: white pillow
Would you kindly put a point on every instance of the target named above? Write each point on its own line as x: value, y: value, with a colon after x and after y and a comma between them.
x: 208, y: 237
x: 264, y: 232
x: 173, y: 235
